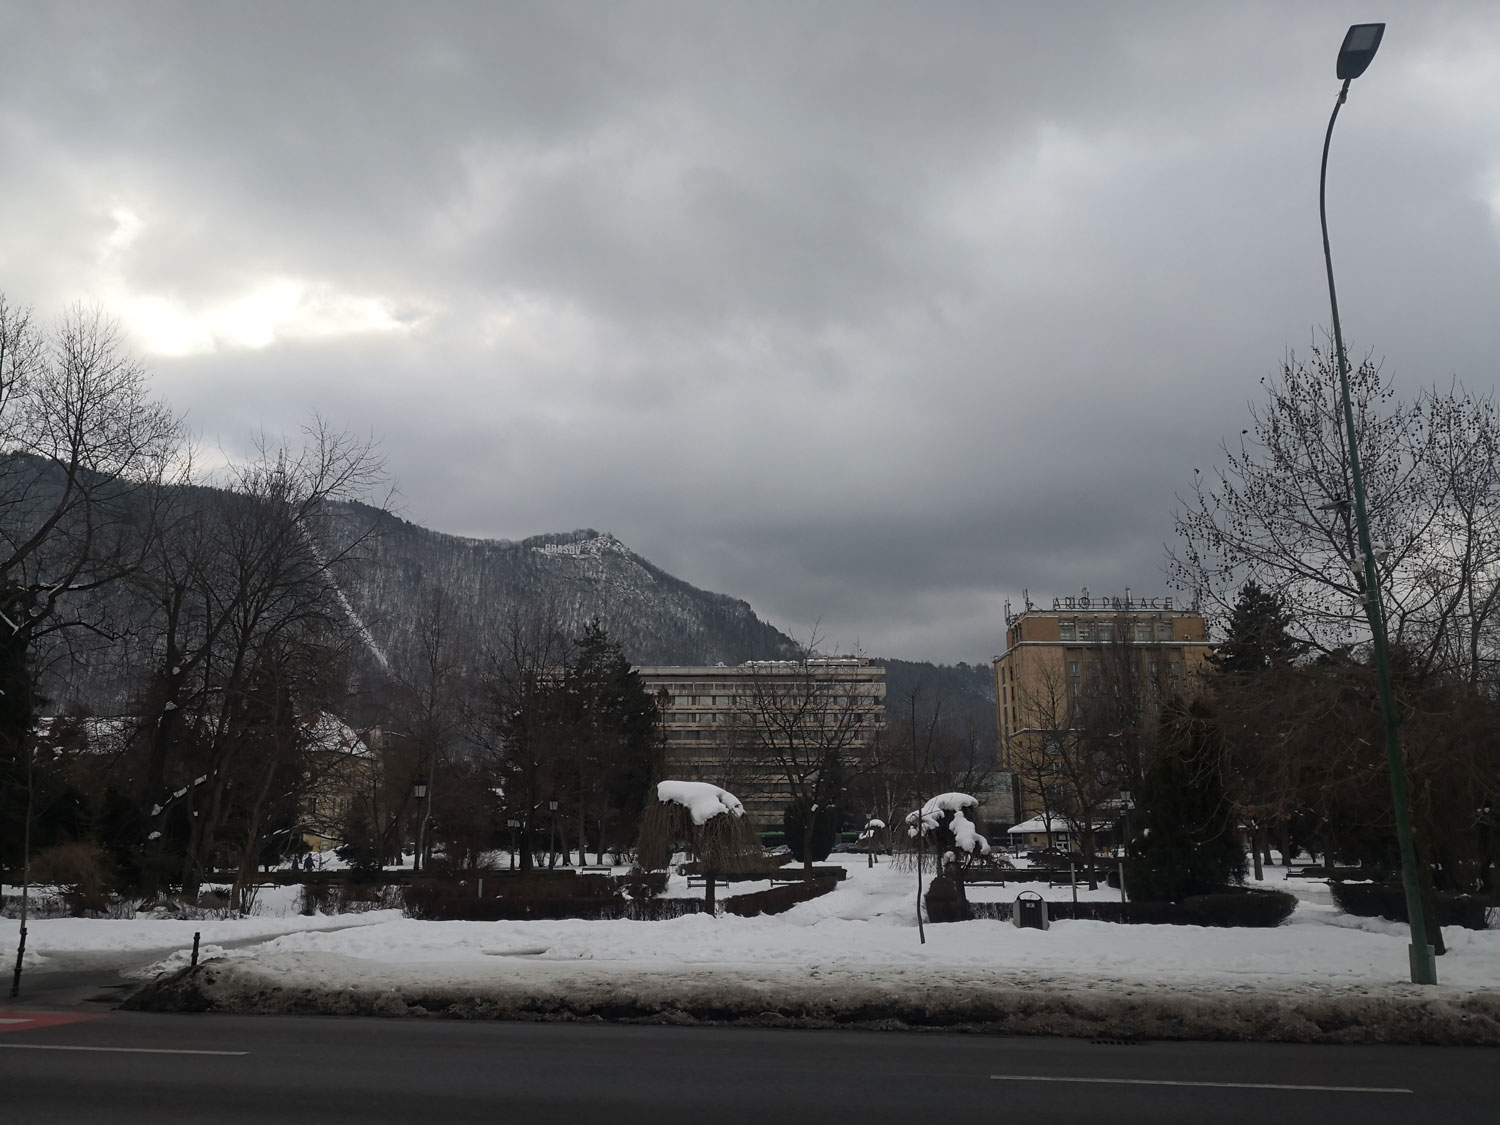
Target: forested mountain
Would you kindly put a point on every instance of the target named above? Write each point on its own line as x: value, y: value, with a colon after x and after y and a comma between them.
x: 960, y: 694
x: 396, y: 569
x: 571, y: 578
x: 576, y: 576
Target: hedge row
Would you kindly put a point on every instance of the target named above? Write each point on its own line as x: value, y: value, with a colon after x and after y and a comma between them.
x: 594, y: 897
x: 778, y: 899
x: 536, y: 894
x: 1252, y: 908
x: 1388, y: 900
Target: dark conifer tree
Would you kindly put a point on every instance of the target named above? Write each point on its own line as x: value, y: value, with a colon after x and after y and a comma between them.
x: 1186, y: 840
x: 1257, y: 636
x: 613, y: 722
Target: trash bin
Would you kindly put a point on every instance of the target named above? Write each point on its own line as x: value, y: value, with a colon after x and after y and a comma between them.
x: 1030, y: 911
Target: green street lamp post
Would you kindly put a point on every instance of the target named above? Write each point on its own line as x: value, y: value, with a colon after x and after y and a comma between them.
x: 1359, y: 47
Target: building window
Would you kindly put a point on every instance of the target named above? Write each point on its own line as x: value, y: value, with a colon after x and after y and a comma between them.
x: 1085, y: 630
x: 1143, y: 631
x: 1164, y: 630
x: 1106, y: 631
x: 1073, y: 668
x: 1067, y: 630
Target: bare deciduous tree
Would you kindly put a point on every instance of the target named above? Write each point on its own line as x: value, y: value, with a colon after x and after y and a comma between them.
x: 808, y: 727
x: 84, y: 452
x: 1278, y: 510
x: 247, y: 594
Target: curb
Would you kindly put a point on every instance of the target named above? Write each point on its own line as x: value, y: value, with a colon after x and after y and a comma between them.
x: 1468, y: 1019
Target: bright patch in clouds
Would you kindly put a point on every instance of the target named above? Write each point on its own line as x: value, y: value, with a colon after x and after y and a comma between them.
x: 272, y: 310
x: 278, y: 310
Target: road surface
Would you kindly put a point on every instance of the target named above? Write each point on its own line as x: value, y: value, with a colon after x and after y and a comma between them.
x: 87, y: 1064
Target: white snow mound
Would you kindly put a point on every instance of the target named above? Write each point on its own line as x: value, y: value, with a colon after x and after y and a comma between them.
x: 702, y: 800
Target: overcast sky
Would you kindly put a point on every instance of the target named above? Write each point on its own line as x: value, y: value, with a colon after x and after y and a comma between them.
x: 871, y: 314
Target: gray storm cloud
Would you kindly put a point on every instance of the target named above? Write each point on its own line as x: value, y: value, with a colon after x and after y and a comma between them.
x: 872, y: 314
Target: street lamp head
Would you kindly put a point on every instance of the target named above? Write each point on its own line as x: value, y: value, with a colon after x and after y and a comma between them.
x: 552, y: 805
x: 419, y: 786
x: 1360, y: 45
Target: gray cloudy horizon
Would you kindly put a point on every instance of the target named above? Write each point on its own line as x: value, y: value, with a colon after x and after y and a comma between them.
x: 872, y: 314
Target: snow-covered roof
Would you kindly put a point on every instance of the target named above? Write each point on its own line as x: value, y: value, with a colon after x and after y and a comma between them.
x: 101, y: 736
x: 330, y: 733
x: 702, y: 800
x: 1039, y: 824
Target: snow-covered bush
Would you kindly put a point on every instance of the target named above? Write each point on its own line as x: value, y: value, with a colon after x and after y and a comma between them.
x: 948, y: 822
x: 711, y: 820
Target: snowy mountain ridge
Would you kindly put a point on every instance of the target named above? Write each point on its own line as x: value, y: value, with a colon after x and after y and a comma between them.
x: 572, y: 577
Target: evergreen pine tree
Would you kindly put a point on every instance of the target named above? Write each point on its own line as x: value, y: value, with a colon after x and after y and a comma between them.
x: 1257, y: 636
x: 1186, y: 840
x: 824, y: 833
x: 613, y: 723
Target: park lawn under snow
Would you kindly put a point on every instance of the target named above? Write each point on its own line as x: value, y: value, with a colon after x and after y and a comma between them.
x: 863, y: 933
x: 50, y: 942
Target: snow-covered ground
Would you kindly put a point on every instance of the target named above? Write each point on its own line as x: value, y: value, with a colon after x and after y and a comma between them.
x: 51, y: 941
x: 864, y: 931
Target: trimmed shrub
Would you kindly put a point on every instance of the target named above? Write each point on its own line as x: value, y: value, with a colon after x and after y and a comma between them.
x: 1388, y: 901
x: 1186, y: 842
x: 1248, y: 908
x: 640, y: 885
x: 1228, y: 907
x: 545, y: 895
x: 83, y: 872
x: 944, y: 901
x: 824, y: 833
x: 778, y: 899
x: 661, y: 909
x: 448, y: 901
x: 991, y: 911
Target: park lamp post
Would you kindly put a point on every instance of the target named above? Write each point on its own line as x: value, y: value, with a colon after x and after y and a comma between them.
x: 419, y: 791
x: 512, y: 823
x: 552, y: 837
x: 1359, y: 47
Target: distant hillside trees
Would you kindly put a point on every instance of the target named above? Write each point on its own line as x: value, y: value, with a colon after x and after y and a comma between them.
x: 939, y: 737
x: 574, y: 578
x: 85, y: 451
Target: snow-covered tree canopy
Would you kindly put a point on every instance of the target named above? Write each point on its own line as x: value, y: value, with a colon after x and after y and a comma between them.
x: 693, y: 812
x: 702, y: 800
x: 949, y: 821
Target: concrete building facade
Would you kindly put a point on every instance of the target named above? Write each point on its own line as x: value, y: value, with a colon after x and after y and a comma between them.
x: 1087, y: 667
x: 708, y: 718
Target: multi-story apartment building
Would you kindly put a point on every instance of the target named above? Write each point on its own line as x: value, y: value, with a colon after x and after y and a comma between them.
x: 1086, y: 678
x: 715, y: 719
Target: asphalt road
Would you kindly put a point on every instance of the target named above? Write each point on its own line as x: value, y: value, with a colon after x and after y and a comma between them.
x: 128, y: 1067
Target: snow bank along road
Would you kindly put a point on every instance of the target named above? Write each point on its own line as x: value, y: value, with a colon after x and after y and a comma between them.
x: 851, y: 958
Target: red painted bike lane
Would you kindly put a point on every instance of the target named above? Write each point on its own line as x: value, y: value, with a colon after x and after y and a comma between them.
x: 12, y: 1019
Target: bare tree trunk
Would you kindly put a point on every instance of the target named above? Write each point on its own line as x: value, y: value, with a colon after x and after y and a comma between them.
x: 248, y: 850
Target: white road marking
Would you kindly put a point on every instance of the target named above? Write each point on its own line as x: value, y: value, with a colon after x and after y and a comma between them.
x: 1218, y: 1085
x: 115, y: 1050
x: 7, y: 1019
